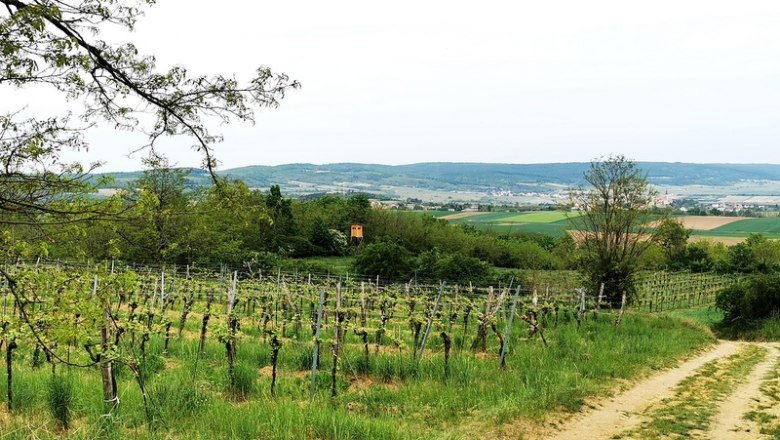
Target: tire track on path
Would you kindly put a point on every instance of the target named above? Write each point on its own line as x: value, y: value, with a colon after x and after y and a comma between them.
x: 624, y: 411
x: 729, y: 424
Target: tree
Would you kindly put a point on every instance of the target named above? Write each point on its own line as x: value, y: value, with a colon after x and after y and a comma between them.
x: 282, y: 226
x: 613, y: 224
x: 160, y: 219
x: 56, y: 43
x: 671, y: 236
x: 38, y: 190
x: 229, y: 218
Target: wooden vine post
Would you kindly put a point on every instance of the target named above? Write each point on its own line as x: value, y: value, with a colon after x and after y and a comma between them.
x: 315, y: 356
x: 10, y: 346
x: 622, y: 309
x: 580, y: 306
x: 110, y: 397
x: 599, y: 299
x: 335, y: 348
x: 502, y: 361
x: 430, y: 322
x: 232, y: 323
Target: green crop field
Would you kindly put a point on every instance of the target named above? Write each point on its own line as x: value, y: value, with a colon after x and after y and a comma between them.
x: 753, y: 225
x: 547, y: 222
x: 537, y: 217
x: 555, y: 229
x: 488, y: 217
x: 437, y: 214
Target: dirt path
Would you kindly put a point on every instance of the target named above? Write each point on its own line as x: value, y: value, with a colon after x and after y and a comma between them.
x: 729, y: 423
x: 625, y: 411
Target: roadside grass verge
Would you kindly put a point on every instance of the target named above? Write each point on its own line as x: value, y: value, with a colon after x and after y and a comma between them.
x: 761, y: 330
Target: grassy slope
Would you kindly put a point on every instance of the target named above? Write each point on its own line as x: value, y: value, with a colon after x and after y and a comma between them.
x: 388, y: 398
x: 762, y: 330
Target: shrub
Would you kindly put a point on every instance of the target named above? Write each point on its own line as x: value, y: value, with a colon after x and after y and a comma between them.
x: 757, y: 298
x: 387, y: 260
x: 461, y: 268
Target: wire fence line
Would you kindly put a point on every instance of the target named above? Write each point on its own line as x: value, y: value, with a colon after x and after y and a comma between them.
x: 655, y: 291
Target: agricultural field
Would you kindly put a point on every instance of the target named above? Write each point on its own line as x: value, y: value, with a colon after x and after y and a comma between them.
x: 766, y: 226
x: 728, y: 230
x: 553, y: 223
x: 288, y: 356
x: 706, y: 223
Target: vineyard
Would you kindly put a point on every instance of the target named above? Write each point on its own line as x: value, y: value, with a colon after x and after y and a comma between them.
x: 119, y: 352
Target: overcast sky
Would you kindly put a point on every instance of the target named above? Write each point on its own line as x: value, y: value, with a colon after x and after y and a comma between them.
x: 492, y: 81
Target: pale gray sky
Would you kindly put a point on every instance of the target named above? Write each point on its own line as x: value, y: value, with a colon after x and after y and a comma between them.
x: 491, y: 81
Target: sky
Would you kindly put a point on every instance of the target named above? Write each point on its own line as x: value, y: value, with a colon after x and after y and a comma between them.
x: 492, y: 81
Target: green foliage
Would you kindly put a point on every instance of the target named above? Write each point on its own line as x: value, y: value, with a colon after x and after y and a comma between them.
x: 326, y: 241
x: 615, y: 217
x: 456, y: 268
x: 705, y: 256
x: 671, y: 236
x: 384, y: 259
x: 653, y: 258
x: 756, y: 298
x: 160, y: 220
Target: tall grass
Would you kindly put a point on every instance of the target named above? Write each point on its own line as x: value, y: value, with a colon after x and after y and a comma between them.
x: 389, y: 396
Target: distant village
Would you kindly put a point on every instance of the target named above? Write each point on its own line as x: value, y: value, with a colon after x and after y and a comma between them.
x: 731, y: 205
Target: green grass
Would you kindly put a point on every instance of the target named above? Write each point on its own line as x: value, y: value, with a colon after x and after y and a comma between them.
x: 763, y: 330
x: 554, y: 223
x: 320, y: 265
x: 763, y: 414
x: 516, y: 217
x: 436, y: 214
x: 394, y: 397
x: 735, y: 234
x: 708, y: 316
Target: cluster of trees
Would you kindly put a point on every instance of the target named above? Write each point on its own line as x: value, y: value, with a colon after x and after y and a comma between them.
x: 619, y: 237
x: 672, y: 249
x: 160, y: 219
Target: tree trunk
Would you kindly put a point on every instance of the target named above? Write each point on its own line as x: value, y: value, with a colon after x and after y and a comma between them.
x: 9, y: 348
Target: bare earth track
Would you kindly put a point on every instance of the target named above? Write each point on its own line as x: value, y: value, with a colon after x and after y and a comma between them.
x: 624, y: 415
x: 729, y: 423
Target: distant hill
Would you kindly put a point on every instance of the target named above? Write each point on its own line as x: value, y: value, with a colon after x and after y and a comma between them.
x: 468, y: 177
